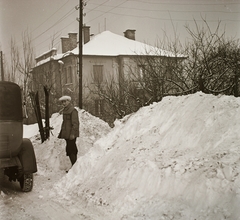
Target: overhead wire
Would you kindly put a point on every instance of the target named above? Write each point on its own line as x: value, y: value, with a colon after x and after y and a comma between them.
x: 177, y: 11
x: 57, y: 22
x: 50, y: 16
x: 62, y: 18
x: 70, y: 12
x: 67, y: 25
x: 166, y: 19
x: 108, y: 11
x: 182, y: 3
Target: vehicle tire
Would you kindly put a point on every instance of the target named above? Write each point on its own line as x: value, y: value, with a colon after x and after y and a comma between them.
x: 26, y: 182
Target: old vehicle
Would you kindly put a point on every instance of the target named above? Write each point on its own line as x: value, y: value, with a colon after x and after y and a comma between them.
x: 17, y: 157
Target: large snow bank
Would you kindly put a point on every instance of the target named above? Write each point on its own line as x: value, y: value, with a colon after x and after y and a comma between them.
x: 177, y: 159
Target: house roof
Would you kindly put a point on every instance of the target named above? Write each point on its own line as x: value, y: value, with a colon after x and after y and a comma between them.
x: 109, y: 44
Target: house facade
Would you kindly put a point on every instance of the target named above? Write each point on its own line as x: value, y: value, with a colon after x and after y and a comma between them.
x: 108, y: 59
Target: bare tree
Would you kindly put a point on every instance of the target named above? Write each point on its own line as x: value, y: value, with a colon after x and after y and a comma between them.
x: 115, y: 102
x: 13, y: 74
x: 22, y: 62
x: 27, y: 62
x: 213, y: 61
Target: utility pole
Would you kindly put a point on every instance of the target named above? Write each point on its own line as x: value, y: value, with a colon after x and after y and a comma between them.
x: 80, y: 44
x: 2, y: 71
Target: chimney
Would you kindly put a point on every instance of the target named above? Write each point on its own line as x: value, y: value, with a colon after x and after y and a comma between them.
x: 130, y: 34
x: 86, y: 34
x: 64, y: 41
x: 69, y: 43
x: 73, y: 40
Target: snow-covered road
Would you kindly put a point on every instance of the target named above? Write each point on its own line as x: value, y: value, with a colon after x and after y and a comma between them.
x: 39, y: 204
x: 33, y: 205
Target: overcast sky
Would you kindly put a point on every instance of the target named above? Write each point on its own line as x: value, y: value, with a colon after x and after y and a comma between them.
x: 152, y: 19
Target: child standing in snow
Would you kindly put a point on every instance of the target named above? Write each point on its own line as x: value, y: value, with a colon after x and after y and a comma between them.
x: 70, y: 128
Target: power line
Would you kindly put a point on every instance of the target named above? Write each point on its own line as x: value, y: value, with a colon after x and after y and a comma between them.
x: 159, y: 10
x: 181, y: 3
x: 50, y: 16
x: 165, y: 19
x: 154, y: 10
x: 108, y: 11
x: 62, y: 18
x: 58, y: 31
x: 98, y: 6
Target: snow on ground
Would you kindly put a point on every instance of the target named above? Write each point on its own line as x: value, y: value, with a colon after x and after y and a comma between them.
x: 176, y: 159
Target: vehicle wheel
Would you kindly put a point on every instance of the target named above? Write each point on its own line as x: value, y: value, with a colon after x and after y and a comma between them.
x: 26, y: 182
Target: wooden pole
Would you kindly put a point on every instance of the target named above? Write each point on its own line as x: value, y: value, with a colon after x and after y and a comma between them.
x: 80, y: 51
x: 2, y: 71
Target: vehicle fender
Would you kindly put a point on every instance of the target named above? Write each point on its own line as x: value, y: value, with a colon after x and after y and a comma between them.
x: 27, y: 157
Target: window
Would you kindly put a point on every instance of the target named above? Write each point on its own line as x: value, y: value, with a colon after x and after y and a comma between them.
x: 142, y: 77
x: 99, y: 107
x: 69, y: 75
x: 98, y: 73
x: 142, y: 71
x: 64, y: 76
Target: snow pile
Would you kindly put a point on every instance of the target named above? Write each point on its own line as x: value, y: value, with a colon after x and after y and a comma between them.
x: 30, y: 131
x: 51, y: 154
x: 177, y: 159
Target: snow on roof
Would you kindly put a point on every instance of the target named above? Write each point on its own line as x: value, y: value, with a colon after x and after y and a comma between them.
x: 55, y: 57
x: 109, y: 44
x: 49, y: 51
